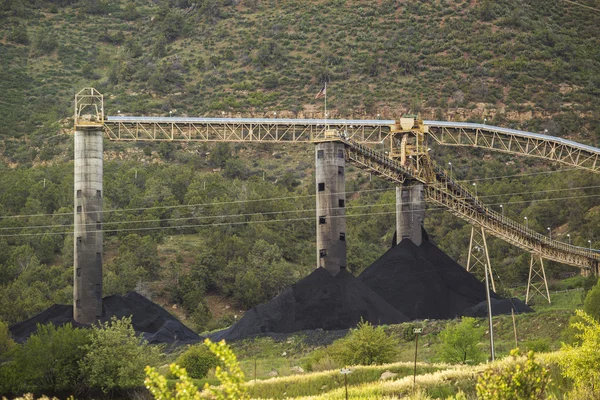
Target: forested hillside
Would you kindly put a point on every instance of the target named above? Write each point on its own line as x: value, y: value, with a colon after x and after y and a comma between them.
x: 185, y: 220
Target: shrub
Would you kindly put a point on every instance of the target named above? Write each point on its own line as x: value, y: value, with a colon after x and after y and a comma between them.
x: 581, y: 362
x: 197, y: 361
x: 365, y: 345
x: 6, y: 342
x: 519, y: 381
x: 48, y: 360
x: 46, y: 41
x: 115, y: 357
x: 19, y: 35
x: 460, y: 342
x: 591, y: 305
x: 230, y: 376
x: 538, y: 345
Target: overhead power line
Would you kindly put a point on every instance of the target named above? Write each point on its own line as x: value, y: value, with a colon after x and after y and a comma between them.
x: 437, y: 208
x: 264, y: 199
x: 208, y: 216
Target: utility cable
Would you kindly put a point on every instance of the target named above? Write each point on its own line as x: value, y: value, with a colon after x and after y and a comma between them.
x: 267, y: 199
x: 438, y: 208
x: 282, y: 212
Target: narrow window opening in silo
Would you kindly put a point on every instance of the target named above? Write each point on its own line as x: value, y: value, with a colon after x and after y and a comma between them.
x: 322, y: 220
x: 322, y: 253
x: 320, y: 154
x: 342, y: 236
x: 321, y: 186
x: 78, y: 272
x: 98, y: 225
x: 79, y: 240
x: 341, y: 203
x: 341, y: 171
x: 340, y: 153
x: 98, y: 194
x: 78, y: 303
x: 79, y: 194
x: 79, y: 209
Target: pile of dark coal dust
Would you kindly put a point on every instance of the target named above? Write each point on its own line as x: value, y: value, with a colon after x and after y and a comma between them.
x: 148, y: 319
x: 319, y: 301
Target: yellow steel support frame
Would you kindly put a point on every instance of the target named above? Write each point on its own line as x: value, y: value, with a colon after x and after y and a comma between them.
x: 89, y: 108
x: 273, y: 131
x: 451, y: 195
x: 490, y: 139
x: 478, y: 253
x: 537, y: 281
x: 439, y: 188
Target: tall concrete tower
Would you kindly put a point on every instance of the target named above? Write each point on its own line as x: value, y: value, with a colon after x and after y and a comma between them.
x: 87, y: 289
x: 331, y: 202
x: 410, y: 212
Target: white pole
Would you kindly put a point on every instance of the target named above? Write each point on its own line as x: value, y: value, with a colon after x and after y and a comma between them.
x: 326, y: 124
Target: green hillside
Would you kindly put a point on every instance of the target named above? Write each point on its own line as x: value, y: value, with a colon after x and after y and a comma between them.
x: 532, y: 65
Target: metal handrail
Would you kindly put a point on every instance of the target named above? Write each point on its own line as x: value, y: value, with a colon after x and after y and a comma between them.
x: 491, y: 218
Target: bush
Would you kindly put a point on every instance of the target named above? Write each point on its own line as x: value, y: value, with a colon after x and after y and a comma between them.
x: 46, y: 41
x: 521, y: 380
x: 365, y: 345
x: 48, y: 360
x: 230, y: 376
x: 6, y: 342
x: 591, y: 304
x: 197, y: 361
x: 19, y: 35
x: 539, y: 345
x: 115, y: 357
x: 460, y: 342
x: 581, y: 362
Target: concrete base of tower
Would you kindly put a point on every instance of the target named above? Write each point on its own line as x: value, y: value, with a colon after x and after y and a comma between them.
x: 87, y: 288
x: 330, y: 174
x: 410, y: 212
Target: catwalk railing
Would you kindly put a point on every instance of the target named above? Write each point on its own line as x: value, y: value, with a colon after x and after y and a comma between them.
x: 494, y: 138
x: 458, y: 200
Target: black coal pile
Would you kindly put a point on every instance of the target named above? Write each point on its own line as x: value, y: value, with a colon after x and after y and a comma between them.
x: 499, y: 307
x: 423, y: 282
x: 148, y: 319
x: 319, y: 301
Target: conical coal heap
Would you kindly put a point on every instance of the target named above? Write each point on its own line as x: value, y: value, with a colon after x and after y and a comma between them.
x: 319, y: 301
x: 423, y: 282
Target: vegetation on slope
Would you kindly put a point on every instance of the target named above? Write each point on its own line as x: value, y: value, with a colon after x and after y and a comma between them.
x: 533, y: 66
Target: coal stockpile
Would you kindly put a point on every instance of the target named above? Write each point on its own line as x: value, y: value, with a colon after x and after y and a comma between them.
x: 499, y: 307
x: 148, y: 319
x: 423, y: 282
x: 319, y: 301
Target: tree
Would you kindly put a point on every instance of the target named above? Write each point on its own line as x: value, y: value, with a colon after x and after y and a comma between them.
x: 521, y: 380
x: 591, y: 305
x: 220, y: 154
x: 115, y: 357
x: 365, y: 345
x: 48, y: 360
x: 581, y: 362
x: 46, y: 41
x: 6, y: 342
x: 460, y: 342
x: 19, y: 35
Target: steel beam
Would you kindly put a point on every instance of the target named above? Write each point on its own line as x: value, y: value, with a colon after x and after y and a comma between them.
x: 537, y: 284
